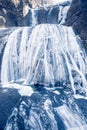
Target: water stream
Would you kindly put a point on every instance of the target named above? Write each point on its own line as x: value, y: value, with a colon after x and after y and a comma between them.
x: 48, y: 66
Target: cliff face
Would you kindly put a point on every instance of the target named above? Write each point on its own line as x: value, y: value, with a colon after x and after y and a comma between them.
x: 10, y: 15
x: 20, y: 12
x: 77, y: 17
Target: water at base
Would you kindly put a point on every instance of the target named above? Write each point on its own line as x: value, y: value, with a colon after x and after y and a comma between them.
x: 47, y: 110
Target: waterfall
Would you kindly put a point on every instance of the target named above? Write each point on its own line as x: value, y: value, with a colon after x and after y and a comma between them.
x: 71, y: 119
x: 63, y: 13
x: 47, y: 64
x: 48, y: 55
x: 33, y: 17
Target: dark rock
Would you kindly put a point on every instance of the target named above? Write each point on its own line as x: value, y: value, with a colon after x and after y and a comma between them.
x: 8, y: 99
x: 77, y: 18
x: 43, y: 15
x: 11, y: 15
x: 15, y: 15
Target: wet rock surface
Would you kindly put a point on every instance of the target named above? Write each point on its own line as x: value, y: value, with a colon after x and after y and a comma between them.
x: 77, y: 17
x: 8, y: 99
x: 21, y: 14
x: 40, y: 110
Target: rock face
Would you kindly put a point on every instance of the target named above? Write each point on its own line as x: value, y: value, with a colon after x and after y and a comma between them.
x: 21, y: 13
x: 77, y: 17
x: 41, y: 15
x: 10, y: 15
x: 10, y: 98
x: 11, y: 12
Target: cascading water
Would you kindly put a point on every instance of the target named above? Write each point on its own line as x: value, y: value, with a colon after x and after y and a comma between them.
x: 47, y: 55
x: 48, y: 64
x: 33, y: 17
x: 44, y: 56
x: 63, y: 13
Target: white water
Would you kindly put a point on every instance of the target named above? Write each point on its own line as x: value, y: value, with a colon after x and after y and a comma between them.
x: 62, y: 13
x: 72, y: 121
x: 34, y: 17
x: 48, y: 55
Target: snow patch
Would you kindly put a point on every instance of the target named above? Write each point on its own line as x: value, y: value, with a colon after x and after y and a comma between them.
x: 22, y: 89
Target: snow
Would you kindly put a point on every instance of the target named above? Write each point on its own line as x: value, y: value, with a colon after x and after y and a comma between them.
x: 23, y: 90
